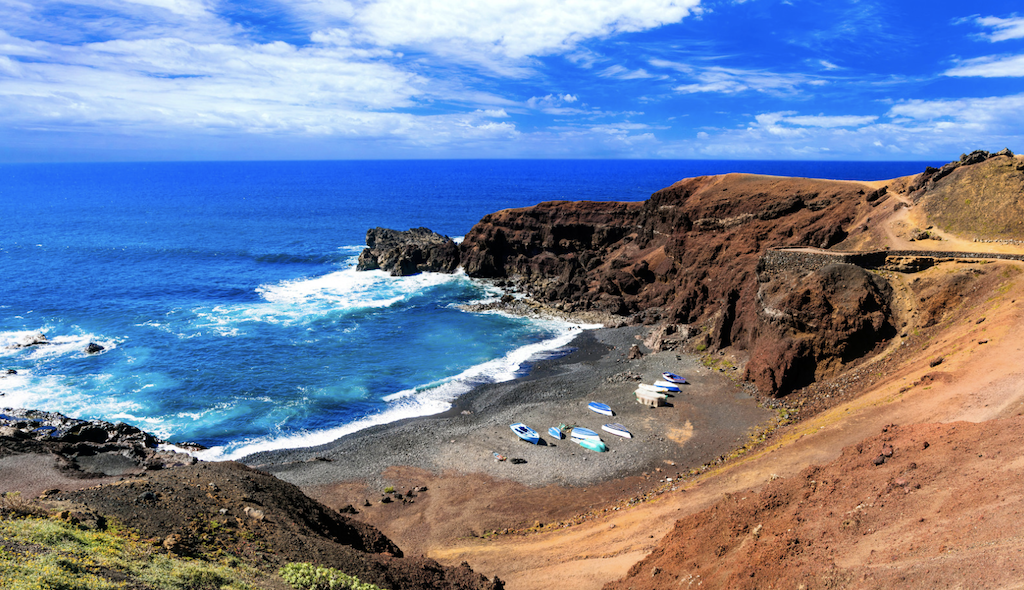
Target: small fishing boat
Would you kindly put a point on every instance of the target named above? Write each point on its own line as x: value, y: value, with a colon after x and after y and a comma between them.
x: 593, y: 445
x: 525, y: 432
x: 556, y: 432
x: 672, y: 378
x: 654, y: 388
x: 617, y: 430
x: 577, y: 434
x: 669, y: 386
x: 601, y: 408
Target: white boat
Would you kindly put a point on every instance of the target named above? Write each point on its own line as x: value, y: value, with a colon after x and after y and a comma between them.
x: 525, y: 432
x: 653, y: 388
x: 601, y: 408
x: 556, y: 432
x: 617, y: 430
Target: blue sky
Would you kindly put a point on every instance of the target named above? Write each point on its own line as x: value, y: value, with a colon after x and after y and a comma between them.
x: 123, y: 80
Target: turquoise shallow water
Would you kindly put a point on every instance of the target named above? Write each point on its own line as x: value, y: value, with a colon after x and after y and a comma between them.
x: 226, y: 299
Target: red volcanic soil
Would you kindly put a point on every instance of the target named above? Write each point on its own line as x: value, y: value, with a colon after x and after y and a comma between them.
x: 922, y: 506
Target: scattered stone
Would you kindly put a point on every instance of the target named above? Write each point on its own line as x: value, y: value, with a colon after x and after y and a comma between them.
x: 979, y: 321
x: 634, y: 353
x: 146, y: 497
x: 983, y: 341
x: 936, y: 362
x: 172, y: 543
x: 93, y: 348
x: 887, y: 451
x: 254, y: 513
x: 879, y: 460
x: 517, y: 461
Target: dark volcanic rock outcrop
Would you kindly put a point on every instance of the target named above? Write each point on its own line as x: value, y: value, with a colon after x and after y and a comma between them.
x: 404, y: 253
x: 84, y: 447
x: 688, y: 255
x: 813, y: 323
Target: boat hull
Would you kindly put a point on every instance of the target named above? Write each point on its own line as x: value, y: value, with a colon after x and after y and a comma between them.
x: 593, y: 445
x: 600, y: 408
x: 673, y: 378
x: 667, y: 385
x: 577, y: 434
x: 526, y: 433
x: 556, y: 432
x: 617, y: 430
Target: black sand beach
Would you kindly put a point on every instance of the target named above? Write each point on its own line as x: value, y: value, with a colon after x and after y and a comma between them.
x: 709, y: 417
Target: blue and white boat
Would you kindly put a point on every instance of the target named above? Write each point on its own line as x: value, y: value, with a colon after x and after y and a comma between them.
x: 601, y: 408
x: 556, y: 432
x: 669, y: 386
x: 672, y: 377
x: 578, y: 433
x: 525, y: 432
x: 617, y: 430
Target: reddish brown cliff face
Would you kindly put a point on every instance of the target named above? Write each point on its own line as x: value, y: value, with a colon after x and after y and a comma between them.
x: 687, y: 255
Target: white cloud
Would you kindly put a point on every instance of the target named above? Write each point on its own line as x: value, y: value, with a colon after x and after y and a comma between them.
x: 909, y: 129
x: 671, y: 65
x: 831, y: 121
x: 1004, y: 28
x: 514, y: 29
x: 552, y: 103
x: 732, y: 81
x: 622, y: 73
x: 990, y: 67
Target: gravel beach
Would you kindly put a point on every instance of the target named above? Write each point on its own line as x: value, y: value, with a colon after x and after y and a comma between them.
x: 709, y: 417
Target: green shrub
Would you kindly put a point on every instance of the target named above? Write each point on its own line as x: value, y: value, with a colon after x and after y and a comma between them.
x: 306, y: 576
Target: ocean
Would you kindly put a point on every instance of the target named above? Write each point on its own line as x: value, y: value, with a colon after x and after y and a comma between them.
x: 226, y: 299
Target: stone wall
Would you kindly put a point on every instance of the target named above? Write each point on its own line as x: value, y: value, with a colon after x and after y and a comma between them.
x: 809, y: 260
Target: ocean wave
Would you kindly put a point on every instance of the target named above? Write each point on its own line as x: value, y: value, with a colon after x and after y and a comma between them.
x: 302, y: 301
x: 425, y: 400
x: 63, y: 345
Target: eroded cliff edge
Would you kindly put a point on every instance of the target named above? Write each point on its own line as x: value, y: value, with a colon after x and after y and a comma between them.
x: 686, y: 261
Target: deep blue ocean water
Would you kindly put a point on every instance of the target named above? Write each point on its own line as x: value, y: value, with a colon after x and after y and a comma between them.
x: 226, y: 298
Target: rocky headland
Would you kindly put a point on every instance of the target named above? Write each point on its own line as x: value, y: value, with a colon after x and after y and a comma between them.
x: 870, y: 331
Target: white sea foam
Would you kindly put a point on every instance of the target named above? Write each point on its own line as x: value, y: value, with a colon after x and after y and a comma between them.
x: 425, y: 400
x: 302, y: 301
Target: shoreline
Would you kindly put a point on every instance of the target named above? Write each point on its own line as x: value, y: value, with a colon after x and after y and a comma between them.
x: 711, y: 416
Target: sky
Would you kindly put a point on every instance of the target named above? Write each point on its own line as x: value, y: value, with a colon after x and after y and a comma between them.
x: 152, y: 80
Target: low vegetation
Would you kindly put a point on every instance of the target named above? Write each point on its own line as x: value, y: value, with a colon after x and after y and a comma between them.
x: 42, y: 552
x: 306, y: 576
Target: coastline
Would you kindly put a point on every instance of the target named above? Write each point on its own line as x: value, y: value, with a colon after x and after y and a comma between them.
x: 709, y: 417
